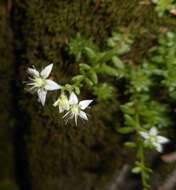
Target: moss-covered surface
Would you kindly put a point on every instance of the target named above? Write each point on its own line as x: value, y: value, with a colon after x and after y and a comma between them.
x: 7, y: 177
x: 69, y: 157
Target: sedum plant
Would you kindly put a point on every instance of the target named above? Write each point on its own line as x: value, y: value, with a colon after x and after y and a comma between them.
x: 163, y: 62
x: 94, y: 63
x: 163, y: 6
x: 144, y: 114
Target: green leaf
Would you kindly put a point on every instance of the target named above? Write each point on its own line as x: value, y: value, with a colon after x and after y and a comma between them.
x: 77, y: 90
x: 130, y: 144
x: 117, y: 62
x: 136, y: 170
x: 68, y: 87
x: 90, y: 54
x: 130, y: 121
x: 157, y: 59
x: 78, y: 78
x: 139, y: 80
x: 105, y: 69
x: 148, y: 170
x: 123, y: 49
x: 126, y: 130
x: 84, y: 66
x: 89, y: 82
x: 93, y: 77
x: 104, y: 91
x: 111, y: 42
x: 128, y: 108
x: 107, y: 55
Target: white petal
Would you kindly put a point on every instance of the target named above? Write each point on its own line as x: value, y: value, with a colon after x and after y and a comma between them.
x: 144, y: 135
x: 73, y: 99
x: 153, y: 131
x: 84, y: 104
x: 56, y: 103
x: 162, y: 140
x: 46, y: 71
x: 66, y: 114
x: 76, y: 120
x: 61, y: 109
x: 83, y: 115
x: 33, y: 72
x: 42, y: 96
x: 67, y: 107
x: 51, y: 85
x: 159, y: 147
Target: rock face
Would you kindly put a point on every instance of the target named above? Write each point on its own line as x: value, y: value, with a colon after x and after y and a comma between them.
x: 6, y: 120
x: 50, y: 155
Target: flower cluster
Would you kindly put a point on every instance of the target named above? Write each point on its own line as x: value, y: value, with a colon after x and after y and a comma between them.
x: 41, y: 83
x: 72, y: 106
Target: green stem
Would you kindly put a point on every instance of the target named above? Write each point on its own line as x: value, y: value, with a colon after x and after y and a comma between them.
x: 142, y: 161
x: 141, y: 152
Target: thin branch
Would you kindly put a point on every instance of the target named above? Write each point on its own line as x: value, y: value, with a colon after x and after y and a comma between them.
x: 170, y: 182
x: 119, y: 178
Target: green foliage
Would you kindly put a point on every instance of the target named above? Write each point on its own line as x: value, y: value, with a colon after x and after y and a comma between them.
x: 151, y: 113
x: 163, y: 6
x: 139, y: 80
x: 95, y: 63
x: 77, y: 46
x: 103, y: 91
x: 121, y: 41
x: 142, y: 111
x: 125, y: 130
x: 164, y: 61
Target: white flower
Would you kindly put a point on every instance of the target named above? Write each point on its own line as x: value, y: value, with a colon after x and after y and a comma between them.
x: 155, y: 1
x: 40, y: 83
x: 63, y: 103
x: 76, y: 108
x: 153, y: 139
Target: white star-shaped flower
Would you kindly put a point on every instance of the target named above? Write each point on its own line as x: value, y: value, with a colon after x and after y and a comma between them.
x: 76, y: 108
x: 153, y: 139
x: 63, y: 103
x: 40, y: 82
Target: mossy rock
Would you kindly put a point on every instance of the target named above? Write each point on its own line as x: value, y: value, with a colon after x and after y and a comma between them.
x: 63, y: 156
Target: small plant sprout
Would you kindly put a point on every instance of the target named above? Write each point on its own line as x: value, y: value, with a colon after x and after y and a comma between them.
x: 63, y: 103
x: 76, y: 108
x: 40, y: 82
x: 152, y: 139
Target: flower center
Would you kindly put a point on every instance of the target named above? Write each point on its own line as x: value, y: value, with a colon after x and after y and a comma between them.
x: 153, y: 139
x: 63, y: 101
x: 40, y: 82
x: 75, y: 109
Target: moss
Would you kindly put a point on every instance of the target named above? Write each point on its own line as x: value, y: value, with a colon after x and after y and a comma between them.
x: 6, y: 119
x: 68, y: 157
